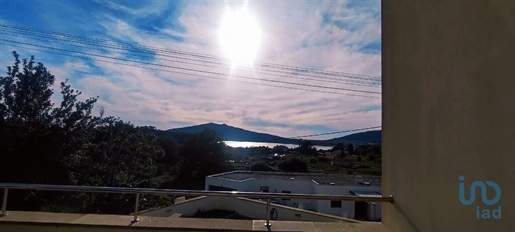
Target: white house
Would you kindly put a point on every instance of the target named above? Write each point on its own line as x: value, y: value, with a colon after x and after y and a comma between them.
x: 306, y: 183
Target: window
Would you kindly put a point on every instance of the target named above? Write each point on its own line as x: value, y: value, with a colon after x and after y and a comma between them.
x: 336, y: 204
x: 263, y: 189
x: 286, y: 199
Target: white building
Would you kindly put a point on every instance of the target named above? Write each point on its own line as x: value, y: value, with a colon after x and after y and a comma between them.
x: 306, y: 183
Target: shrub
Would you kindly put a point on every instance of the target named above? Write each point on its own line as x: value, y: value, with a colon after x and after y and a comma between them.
x: 260, y: 166
x: 293, y: 165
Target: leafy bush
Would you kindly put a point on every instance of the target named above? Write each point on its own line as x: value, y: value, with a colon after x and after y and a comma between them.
x: 260, y: 166
x: 293, y: 165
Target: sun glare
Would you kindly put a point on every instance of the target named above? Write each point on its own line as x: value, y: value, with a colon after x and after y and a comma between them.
x: 239, y: 36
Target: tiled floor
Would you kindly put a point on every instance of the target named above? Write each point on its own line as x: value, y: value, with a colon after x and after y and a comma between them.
x: 16, y: 220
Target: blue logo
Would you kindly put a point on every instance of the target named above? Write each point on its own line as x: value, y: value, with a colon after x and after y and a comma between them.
x: 485, y: 213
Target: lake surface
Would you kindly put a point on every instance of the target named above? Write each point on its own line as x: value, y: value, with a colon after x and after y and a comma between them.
x: 270, y: 145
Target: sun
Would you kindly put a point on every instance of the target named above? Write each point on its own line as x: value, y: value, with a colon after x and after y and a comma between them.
x: 239, y: 36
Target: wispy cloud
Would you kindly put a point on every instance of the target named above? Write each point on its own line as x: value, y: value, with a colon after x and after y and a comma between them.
x: 329, y: 35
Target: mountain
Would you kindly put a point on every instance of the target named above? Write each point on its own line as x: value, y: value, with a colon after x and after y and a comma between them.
x: 230, y: 133
x: 358, y: 138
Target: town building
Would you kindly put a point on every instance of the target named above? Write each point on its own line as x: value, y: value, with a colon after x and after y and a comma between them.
x: 307, y: 183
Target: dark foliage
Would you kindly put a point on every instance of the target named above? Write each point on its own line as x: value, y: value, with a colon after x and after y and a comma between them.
x: 293, y: 165
x: 261, y: 166
x: 306, y: 147
x: 47, y: 143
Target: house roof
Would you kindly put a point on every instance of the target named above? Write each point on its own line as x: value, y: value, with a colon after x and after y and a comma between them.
x: 322, y: 179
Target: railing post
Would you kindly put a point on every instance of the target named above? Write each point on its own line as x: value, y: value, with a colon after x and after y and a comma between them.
x: 135, y: 219
x: 4, y: 202
x: 267, y: 224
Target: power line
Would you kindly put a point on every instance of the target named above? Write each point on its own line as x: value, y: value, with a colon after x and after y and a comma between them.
x: 181, y: 56
x: 333, y: 80
x: 205, y: 59
x: 190, y: 74
x: 337, y: 132
x: 204, y: 56
x: 194, y: 70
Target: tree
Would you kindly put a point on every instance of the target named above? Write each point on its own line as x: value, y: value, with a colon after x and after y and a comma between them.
x: 350, y: 148
x: 118, y: 154
x: 36, y: 137
x: 306, y: 147
x: 66, y: 144
x: 338, y: 147
x: 293, y: 165
x: 202, y: 154
x: 374, y: 149
x: 261, y: 166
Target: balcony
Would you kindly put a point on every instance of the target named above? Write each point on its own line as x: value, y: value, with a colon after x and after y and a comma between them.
x: 37, y: 221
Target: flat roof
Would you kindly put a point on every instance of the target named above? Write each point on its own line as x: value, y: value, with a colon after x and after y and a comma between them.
x: 322, y: 179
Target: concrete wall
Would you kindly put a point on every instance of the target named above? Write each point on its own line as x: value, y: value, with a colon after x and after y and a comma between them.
x: 277, y: 186
x: 306, y: 187
x: 348, y: 208
x: 448, y: 110
x: 247, y: 207
x: 188, y: 207
x: 243, y: 185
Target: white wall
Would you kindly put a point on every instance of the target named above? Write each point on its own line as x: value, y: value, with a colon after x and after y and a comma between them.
x: 239, y: 185
x: 348, y: 209
x: 187, y: 208
x: 277, y: 186
x: 304, y: 187
x: 247, y: 207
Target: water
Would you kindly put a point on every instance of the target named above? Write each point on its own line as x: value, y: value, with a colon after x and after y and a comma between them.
x: 270, y: 145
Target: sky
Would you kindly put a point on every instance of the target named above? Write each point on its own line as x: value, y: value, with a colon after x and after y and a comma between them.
x: 196, y: 62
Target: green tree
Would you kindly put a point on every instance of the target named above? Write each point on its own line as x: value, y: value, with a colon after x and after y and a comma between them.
x: 350, y: 148
x: 260, y: 166
x: 202, y: 154
x: 36, y: 137
x: 338, y: 147
x: 64, y: 144
x: 374, y: 149
x: 120, y: 155
x: 293, y: 165
x: 306, y: 147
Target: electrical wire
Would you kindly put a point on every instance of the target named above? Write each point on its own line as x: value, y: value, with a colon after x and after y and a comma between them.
x: 204, y: 56
x: 336, y: 132
x: 333, y: 80
x: 194, y: 70
x: 190, y: 74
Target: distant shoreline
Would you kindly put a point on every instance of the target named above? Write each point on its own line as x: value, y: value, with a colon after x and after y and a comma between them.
x: 270, y: 145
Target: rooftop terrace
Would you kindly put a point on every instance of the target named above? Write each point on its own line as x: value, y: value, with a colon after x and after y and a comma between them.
x: 44, y: 221
x: 39, y: 221
x: 322, y: 179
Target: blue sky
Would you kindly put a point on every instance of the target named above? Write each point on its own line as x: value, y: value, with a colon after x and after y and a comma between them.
x: 336, y: 36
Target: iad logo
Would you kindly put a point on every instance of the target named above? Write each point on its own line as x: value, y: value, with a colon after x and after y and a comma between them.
x: 486, y: 213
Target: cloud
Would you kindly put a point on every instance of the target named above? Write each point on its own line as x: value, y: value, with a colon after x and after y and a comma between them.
x: 329, y: 35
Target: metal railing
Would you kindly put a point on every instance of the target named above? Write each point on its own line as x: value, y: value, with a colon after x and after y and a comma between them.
x: 138, y: 191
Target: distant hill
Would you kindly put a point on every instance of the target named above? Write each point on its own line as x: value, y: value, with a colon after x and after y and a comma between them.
x: 230, y: 133
x: 357, y: 138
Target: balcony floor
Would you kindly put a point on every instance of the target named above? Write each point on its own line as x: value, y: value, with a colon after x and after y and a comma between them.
x: 36, y: 221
